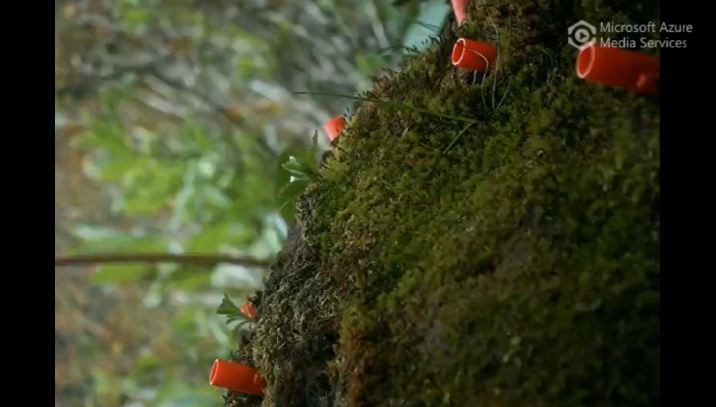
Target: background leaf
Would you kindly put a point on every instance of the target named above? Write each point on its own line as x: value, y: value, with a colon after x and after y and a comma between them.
x: 115, y: 273
x: 172, y: 123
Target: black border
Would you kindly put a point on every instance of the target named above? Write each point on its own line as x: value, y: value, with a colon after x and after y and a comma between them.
x: 687, y: 137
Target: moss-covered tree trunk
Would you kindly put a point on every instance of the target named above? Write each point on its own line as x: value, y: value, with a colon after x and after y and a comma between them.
x: 518, y: 268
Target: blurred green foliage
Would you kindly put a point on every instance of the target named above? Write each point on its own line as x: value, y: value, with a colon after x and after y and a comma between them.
x: 177, y: 130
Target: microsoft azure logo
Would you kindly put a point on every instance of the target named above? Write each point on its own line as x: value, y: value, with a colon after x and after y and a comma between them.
x: 582, y: 34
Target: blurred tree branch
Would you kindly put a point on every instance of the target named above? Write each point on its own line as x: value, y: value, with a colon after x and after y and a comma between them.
x: 197, y: 259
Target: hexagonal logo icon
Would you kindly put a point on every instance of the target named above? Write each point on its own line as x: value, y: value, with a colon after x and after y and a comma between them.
x: 582, y: 34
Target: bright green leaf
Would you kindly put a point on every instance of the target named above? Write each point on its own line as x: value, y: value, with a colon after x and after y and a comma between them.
x: 299, y: 170
x: 227, y: 307
x: 213, y: 237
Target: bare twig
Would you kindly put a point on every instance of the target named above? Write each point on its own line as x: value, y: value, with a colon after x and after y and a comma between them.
x: 497, y: 63
x: 452, y: 143
x: 197, y: 259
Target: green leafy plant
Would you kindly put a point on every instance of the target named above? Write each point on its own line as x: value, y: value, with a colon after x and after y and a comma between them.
x: 303, y: 170
x: 233, y: 313
x: 300, y: 171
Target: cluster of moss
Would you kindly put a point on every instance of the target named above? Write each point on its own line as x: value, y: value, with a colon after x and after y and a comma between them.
x: 519, y: 267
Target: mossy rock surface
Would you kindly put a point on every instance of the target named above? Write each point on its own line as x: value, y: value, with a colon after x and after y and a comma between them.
x: 518, y: 268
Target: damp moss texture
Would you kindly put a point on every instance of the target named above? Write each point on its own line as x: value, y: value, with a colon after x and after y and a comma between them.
x: 515, y: 266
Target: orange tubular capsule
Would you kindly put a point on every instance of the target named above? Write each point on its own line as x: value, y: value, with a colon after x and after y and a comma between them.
x: 459, y: 8
x: 248, y: 310
x: 237, y: 377
x: 619, y: 68
x: 473, y: 55
x: 334, y: 127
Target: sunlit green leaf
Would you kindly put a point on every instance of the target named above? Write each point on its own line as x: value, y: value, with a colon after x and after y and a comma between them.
x: 118, y: 273
x: 146, y: 201
x: 193, y: 280
x: 117, y: 167
x: 121, y: 244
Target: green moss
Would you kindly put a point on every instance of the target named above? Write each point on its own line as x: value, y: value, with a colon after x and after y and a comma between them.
x: 521, y: 268
x: 235, y: 398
